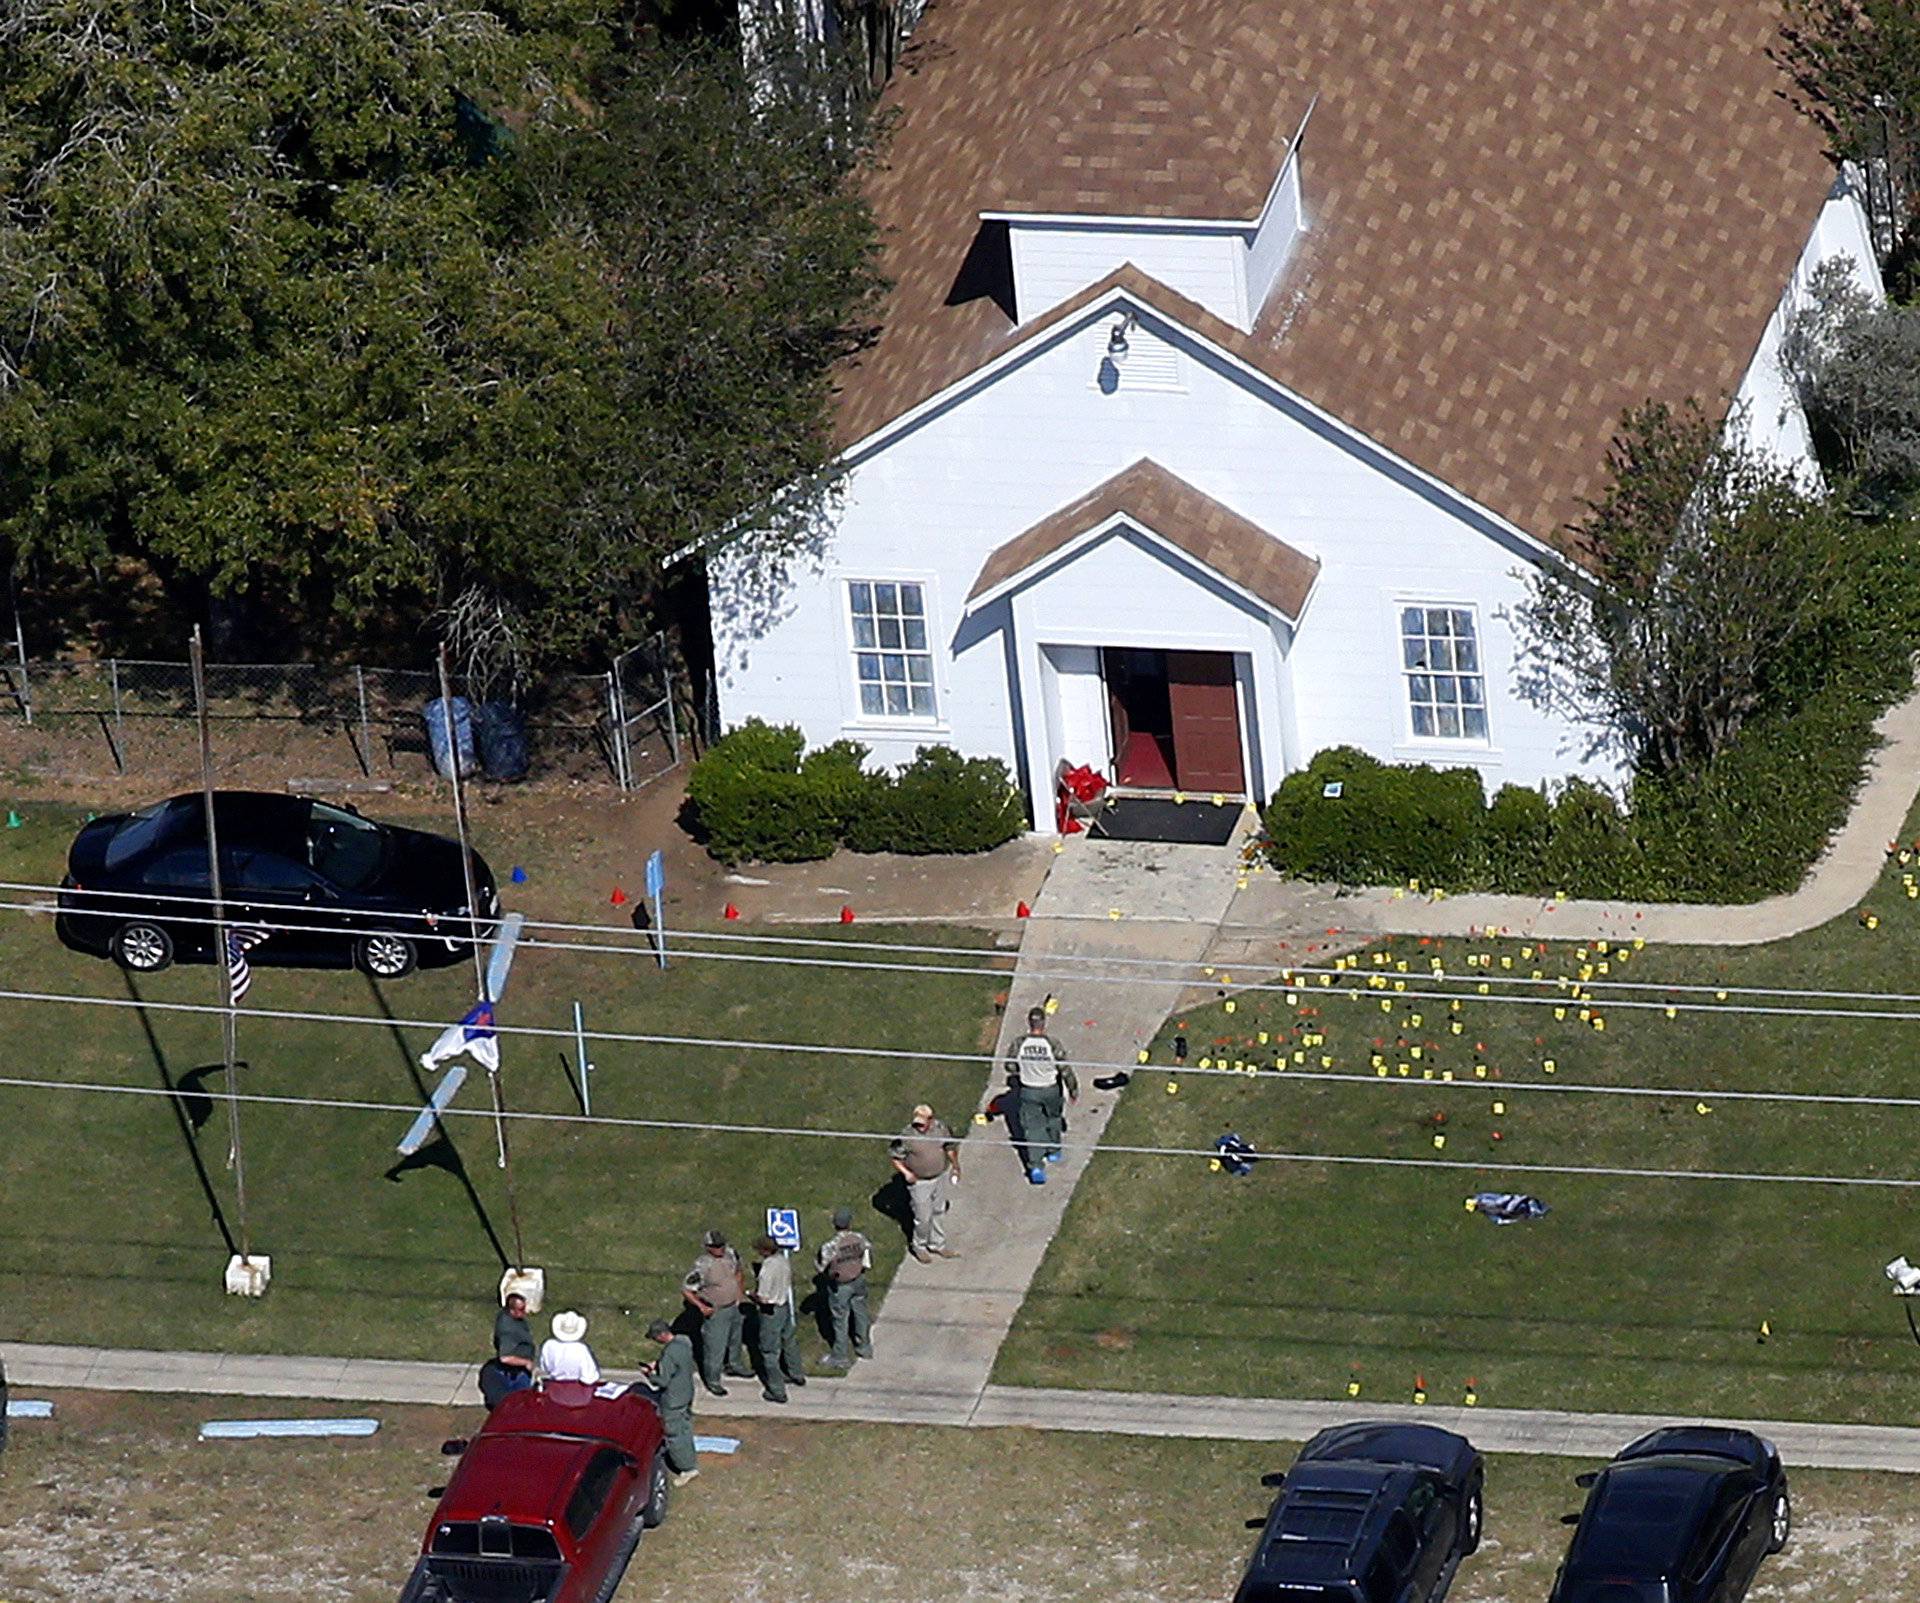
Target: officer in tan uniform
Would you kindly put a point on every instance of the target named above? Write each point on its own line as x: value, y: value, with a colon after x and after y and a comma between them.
x: 844, y: 1260
x: 715, y: 1287
x: 927, y: 1157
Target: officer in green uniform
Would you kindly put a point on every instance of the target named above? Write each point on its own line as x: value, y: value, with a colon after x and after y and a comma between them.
x: 844, y: 1260
x: 774, y: 1337
x: 673, y: 1375
x: 1037, y: 1068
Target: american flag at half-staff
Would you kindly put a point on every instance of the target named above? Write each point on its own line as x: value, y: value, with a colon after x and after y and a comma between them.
x: 239, y: 970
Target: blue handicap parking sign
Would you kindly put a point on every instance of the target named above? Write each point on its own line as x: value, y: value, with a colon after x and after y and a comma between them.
x: 783, y: 1224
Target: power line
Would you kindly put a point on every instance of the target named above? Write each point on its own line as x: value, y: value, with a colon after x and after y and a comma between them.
x: 1567, y: 992
x: 640, y: 945
x: 698, y: 1126
x: 989, y: 1060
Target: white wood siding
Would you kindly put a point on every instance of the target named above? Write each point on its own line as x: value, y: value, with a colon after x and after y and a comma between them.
x: 1053, y: 261
x: 938, y: 497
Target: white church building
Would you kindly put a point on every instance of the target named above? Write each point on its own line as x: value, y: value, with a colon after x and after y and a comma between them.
x: 1242, y: 360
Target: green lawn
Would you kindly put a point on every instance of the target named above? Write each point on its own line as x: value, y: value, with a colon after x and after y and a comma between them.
x: 1632, y: 1294
x: 108, y: 1235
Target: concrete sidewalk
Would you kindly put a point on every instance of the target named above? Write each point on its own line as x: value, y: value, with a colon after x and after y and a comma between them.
x: 940, y: 1325
x: 1496, y: 1430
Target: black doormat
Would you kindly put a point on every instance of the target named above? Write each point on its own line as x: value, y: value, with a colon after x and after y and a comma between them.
x: 1184, y: 823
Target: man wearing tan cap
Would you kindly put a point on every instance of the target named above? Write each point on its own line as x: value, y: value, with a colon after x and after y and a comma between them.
x: 928, y: 1158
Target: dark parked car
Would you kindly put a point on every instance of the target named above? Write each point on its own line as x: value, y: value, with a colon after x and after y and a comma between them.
x: 1683, y: 1515
x: 333, y: 888
x: 1369, y: 1513
x: 548, y: 1502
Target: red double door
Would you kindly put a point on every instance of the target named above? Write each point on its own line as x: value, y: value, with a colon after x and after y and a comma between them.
x: 1176, y: 717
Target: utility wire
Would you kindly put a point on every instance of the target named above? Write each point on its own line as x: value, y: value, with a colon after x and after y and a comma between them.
x: 347, y: 1104
x: 1201, y: 970
x: 918, y: 1055
x: 1567, y: 991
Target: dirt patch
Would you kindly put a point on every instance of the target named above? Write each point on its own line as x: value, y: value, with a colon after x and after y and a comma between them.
x: 116, y: 1498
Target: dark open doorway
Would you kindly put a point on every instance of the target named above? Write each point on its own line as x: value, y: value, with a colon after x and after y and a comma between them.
x: 1141, y: 709
x: 1176, y: 719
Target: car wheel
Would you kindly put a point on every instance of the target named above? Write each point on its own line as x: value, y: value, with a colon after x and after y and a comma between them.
x: 385, y: 957
x: 659, y: 1489
x: 1782, y: 1521
x: 617, y: 1572
x: 142, y: 948
x: 1471, y: 1519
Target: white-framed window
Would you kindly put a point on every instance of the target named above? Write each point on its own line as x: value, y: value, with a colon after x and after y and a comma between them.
x: 1446, y: 683
x: 892, y: 661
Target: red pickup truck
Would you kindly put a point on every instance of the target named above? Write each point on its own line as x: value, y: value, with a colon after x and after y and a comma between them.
x: 548, y: 1502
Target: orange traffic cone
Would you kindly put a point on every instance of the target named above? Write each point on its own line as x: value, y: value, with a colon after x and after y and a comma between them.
x: 730, y: 911
x: 1023, y: 911
x: 618, y: 898
x: 846, y: 915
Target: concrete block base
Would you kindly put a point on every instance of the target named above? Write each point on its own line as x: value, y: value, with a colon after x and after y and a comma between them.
x: 249, y: 1277
x: 529, y: 1283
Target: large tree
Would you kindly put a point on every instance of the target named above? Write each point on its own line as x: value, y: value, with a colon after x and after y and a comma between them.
x: 1856, y: 65
x: 1708, y: 569
x: 375, y: 307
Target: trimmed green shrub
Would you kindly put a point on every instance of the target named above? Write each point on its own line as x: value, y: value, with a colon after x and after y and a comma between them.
x: 1386, y: 822
x: 756, y: 802
x: 1519, y: 820
x: 756, y: 798
x: 1590, y: 849
x: 940, y: 802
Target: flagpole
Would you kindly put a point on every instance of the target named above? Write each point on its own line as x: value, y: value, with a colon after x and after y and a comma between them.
x: 236, y: 1158
x: 473, y: 945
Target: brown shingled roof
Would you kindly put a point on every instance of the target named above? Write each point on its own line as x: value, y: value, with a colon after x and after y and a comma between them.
x: 1147, y: 125
x: 1523, y: 218
x: 1213, y: 535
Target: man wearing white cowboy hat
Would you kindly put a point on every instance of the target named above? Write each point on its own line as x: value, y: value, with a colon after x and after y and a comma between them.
x: 565, y: 1354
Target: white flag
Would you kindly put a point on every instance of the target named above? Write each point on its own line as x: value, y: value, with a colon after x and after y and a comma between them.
x: 473, y: 1035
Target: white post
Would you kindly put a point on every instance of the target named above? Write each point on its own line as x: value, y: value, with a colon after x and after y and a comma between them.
x: 580, y: 1055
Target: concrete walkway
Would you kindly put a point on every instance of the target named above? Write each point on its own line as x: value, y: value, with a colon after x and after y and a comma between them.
x: 1495, y: 1430
x: 941, y: 1325
x: 1837, y: 883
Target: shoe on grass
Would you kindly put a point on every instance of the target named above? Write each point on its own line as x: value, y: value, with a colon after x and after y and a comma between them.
x: 683, y: 1476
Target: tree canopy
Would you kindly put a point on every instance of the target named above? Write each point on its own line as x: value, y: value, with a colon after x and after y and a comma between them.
x: 1711, y: 569
x: 360, y: 309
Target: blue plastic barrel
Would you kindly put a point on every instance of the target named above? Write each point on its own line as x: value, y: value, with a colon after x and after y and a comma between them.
x: 435, y: 715
x: 505, y: 752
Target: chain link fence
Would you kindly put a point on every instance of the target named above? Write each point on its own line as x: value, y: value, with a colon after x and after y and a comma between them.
x: 275, y: 724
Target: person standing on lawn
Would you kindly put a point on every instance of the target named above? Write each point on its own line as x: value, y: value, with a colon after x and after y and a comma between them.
x: 1038, y: 1066
x: 672, y: 1376
x: 714, y: 1288
x: 844, y: 1260
x: 927, y: 1157
x: 774, y: 1336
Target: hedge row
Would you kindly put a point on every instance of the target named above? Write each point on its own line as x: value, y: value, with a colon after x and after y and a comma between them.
x: 759, y: 796
x: 1751, y: 826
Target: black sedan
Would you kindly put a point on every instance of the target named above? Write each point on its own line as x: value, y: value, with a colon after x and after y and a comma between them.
x: 328, y: 887
x: 1683, y: 1515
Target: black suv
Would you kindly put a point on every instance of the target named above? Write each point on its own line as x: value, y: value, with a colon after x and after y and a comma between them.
x: 1683, y: 1515
x: 1369, y: 1513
